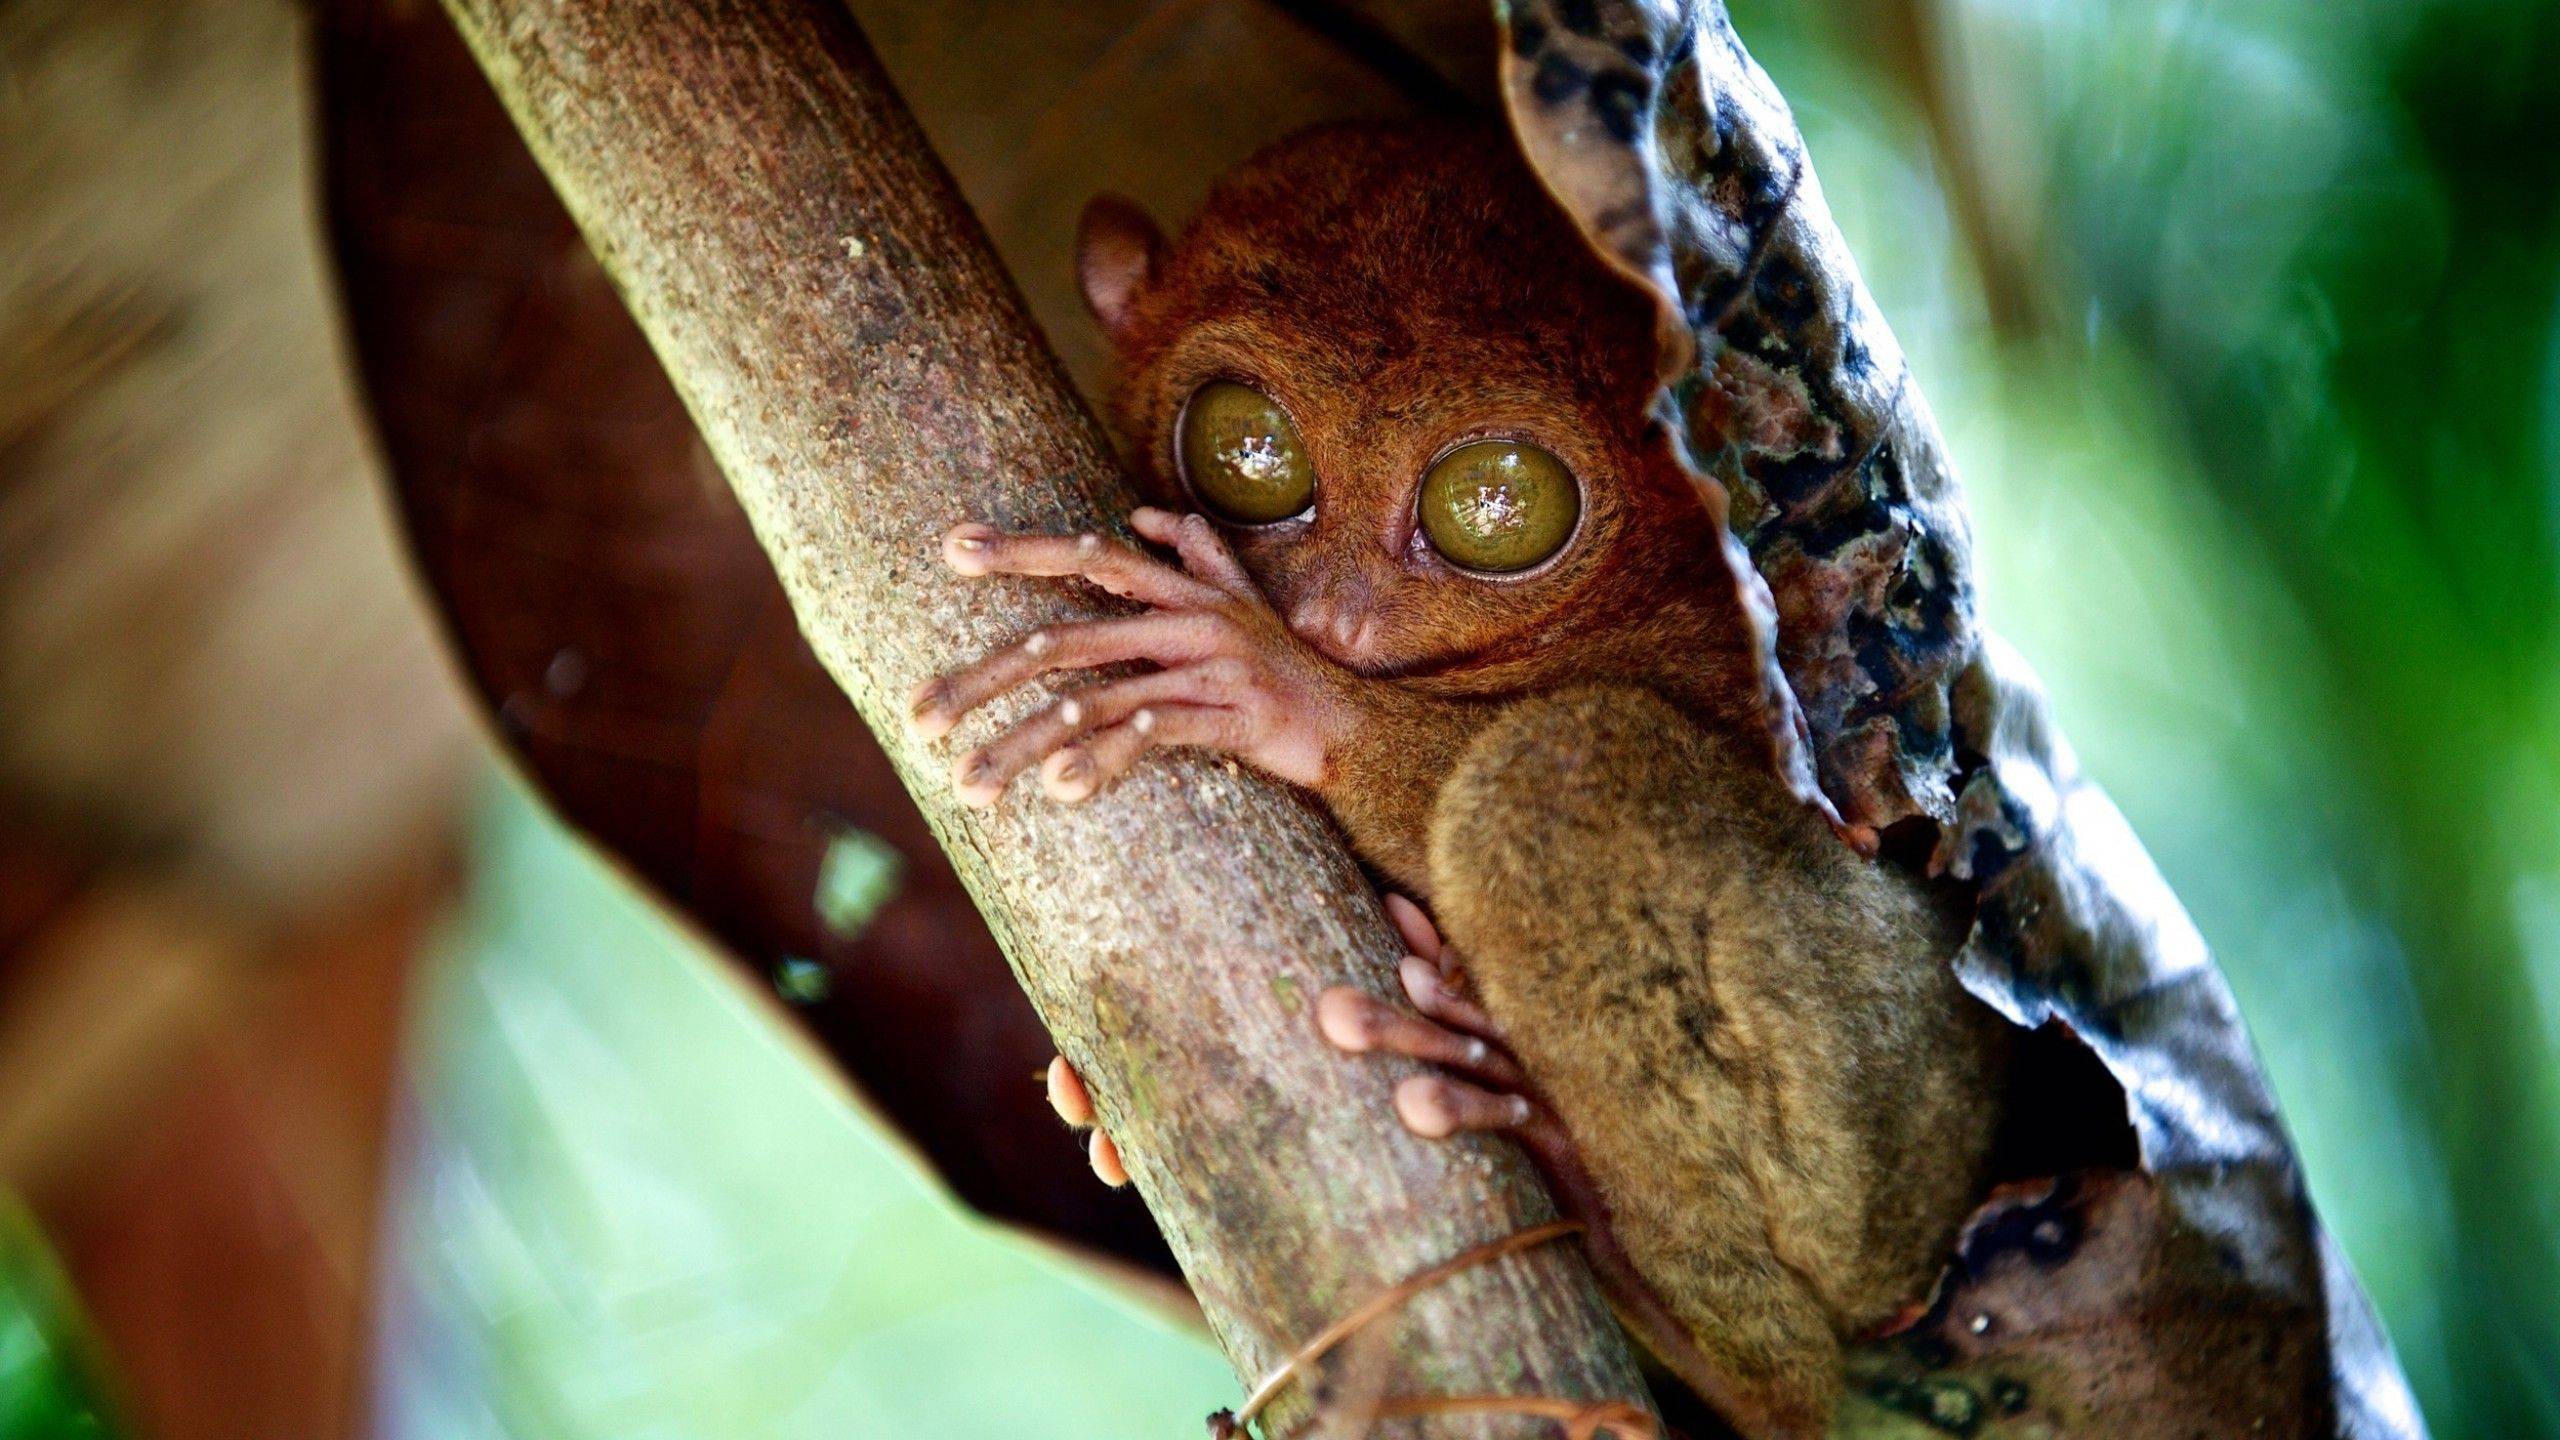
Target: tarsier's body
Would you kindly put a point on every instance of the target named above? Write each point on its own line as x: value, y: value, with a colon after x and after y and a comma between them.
x: 1767, y: 1079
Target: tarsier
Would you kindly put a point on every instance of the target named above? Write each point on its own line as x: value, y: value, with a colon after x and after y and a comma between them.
x: 1440, y: 564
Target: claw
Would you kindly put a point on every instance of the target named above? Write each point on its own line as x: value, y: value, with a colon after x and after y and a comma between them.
x: 969, y: 776
x: 928, y: 713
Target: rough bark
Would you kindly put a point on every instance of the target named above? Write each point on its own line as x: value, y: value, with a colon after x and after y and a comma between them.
x: 867, y: 377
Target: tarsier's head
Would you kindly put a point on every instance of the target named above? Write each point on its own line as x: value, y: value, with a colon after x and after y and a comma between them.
x: 1387, y: 362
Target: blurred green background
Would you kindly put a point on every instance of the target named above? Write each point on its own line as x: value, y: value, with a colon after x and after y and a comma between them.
x: 2243, y: 319
x: 2244, y: 323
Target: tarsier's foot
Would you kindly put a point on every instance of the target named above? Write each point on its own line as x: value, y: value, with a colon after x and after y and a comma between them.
x: 1484, y: 1089
x: 1489, y: 1098
x: 1487, y: 1089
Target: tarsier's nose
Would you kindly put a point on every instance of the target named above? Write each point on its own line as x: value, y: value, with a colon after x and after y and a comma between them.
x: 1335, y: 623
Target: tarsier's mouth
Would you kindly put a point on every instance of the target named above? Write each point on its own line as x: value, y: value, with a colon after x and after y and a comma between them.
x: 1368, y: 648
x: 1435, y: 666
x: 1352, y: 644
x: 1356, y: 658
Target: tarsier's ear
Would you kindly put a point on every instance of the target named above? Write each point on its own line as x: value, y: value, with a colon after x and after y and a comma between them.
x: 1116, y: 251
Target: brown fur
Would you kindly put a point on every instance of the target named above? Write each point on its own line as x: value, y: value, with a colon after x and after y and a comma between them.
x: 1751, y: 1033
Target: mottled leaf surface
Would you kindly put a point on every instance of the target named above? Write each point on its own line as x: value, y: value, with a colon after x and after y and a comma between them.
x: 1658, y: 132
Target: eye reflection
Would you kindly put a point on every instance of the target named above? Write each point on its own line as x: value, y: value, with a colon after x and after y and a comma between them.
x: 1241, y: 455
x: 1498, y: 506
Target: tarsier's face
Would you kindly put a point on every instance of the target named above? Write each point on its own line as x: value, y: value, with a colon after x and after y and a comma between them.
x: 1414, y: 397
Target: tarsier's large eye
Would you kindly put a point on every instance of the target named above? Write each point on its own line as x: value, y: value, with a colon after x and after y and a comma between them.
x: 1242, y: 456
x: 1499, y: 506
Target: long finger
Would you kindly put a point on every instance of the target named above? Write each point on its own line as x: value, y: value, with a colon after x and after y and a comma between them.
x: 976, y: 549
x: 1436, y: 1107
x: 983, y: 773
x: 1204, y: 551
x: 1357, y: 1022
x: 1088, y: 766
x: 1166, y: 637
x: 1427, y: 986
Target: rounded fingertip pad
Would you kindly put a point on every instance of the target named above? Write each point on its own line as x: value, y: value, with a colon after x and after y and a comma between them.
x: 1067, y: 1094
x: 968, y: 548
x: 1104, y: 1156
x: 976, y: 780
x: 929, y: 711
x: 1348, y: 1019
x: 1419, y: 933
x: 1155, y: 524
x: 1069, y: 775
x: 1421, y: 982
x: 1427, y: 1107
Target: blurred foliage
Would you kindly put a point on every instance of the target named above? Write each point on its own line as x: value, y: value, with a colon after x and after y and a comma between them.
x: 630, y: 1209
x: 2265, y: 467
x: 46, y: 1388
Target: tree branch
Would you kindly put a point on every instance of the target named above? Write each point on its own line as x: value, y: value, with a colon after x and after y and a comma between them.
x: 866, y: 375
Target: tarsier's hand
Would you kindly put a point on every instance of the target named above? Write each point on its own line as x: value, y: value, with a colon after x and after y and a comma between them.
x: 1231, y: 676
